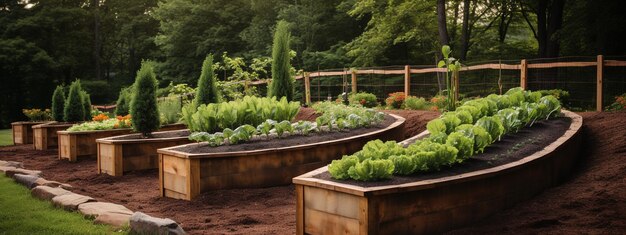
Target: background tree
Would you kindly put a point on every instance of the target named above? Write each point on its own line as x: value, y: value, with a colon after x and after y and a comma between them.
x: 74, y: 110
x: 207, y: 88
x: 282, y: 81
x: 143, y: 106
x: 58, y: 102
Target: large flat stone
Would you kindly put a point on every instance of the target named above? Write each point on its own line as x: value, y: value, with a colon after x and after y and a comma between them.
x: 50, y: 183
x: 47, y: 193
x: 4, y: 169
x: 12, y: 172
x: 113, y: 219
x: 26, y: 180
x: 12, y: 163
x: 94, y: 209
x: 71, y: 201
x: 141, y: 223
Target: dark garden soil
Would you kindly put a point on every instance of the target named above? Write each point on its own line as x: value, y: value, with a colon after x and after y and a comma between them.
x: 167, y: 134
x: 261, y: 142
x: 510, y: 148
x: 593, y: 201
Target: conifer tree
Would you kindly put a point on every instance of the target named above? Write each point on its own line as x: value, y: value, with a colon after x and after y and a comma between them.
x: 143, y: 105
x: 207, y: 88
x: 123, y: 101
x: 282, y: 82
x: 86, y: 98
x: 58, y: 102
x: 74, y: 111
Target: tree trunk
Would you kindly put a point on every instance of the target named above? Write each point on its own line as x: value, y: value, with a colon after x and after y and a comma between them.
x: 541, y: 28
x: 444, y: 39
x: 96, y: 44
x: 465, y: 34
x: 453, y: 35
x: 555, y: 21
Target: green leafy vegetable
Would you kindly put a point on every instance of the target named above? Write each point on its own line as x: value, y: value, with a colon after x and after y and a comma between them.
x: 338, y: 169
x: 371, y: 170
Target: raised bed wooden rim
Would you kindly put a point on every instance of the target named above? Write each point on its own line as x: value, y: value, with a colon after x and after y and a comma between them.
x: 170, y: 151
x: 53, y: 123
x: 113, y: 140
x: 307, y: 179
x: 97, y: 131
x: 29, y: 122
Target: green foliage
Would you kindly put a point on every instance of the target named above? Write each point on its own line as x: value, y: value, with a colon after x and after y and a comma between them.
x: 436, y: 126
x: 207, y: 88
x: 58, y: 102
x: 493, y: 125
x: 416, y: 103
x: 365, y: 99
x: 452, y: 66
x: 169, y: 111
x: 37, y: 115
x: 510, y: 120
x: 143, y: 105
x: 354, y: 117
x: 553, y: 106
x: 377, y: 149
x: 451, y: 121
x: 372, y: 170
x: 481, y: 137
x: 338, y: 169
x: 74, y: 110
x: 282, y: 81
x: 86, y: 100
x: 439, y: 137
x: 444, y: 155
x: 122, y: 107
x: 619, y: 104
x: 403, y: 164
x: 464, y: 144
x: 396, y: 100
x: 282, y: 127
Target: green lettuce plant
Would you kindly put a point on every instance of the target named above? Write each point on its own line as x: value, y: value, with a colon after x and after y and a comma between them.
x: 371, y: 170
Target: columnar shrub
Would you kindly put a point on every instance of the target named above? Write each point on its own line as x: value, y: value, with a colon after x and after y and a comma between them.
x: 74, y: 111
x: 58, y: 102
x: 207, y: 88
x: 86, y: 99
x: 123, y: 102
x: 143, y: 105
x: 282, y: 82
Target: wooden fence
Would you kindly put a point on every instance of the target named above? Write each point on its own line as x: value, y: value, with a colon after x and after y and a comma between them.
x: 522, y: 67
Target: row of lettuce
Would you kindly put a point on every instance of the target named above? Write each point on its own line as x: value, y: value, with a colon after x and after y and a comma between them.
x: 454, y: 137
x: 239, y: 121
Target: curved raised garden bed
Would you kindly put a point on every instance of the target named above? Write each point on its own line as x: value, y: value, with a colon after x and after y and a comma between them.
x: 433, y: 205
x: 185, y: 175
x: 45, y: 135
x: 74, y: 144
x: 120, y: 154
x: 23, y: 132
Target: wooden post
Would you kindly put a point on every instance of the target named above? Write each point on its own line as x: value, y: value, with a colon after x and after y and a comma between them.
x: 455, y: 76
x: 407, y: 80
x: 523, y: 74
x: 353, y: 80
x: 600, y: 68
x: 307, y: 88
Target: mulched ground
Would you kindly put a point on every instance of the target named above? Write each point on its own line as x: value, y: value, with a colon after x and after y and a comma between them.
x: 592, y: 202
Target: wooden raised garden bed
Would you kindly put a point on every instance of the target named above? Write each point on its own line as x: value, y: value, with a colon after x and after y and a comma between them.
x: 74, y: 144
x: 120, y: 154
x: 45, y: 135
x: 23, y: 132
x: 184, y: 175
x: 432, y: 205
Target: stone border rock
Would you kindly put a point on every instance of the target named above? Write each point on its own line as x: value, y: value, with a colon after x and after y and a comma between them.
x: 111, y: 214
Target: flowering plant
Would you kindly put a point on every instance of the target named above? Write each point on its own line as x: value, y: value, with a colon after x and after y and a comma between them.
x: 395, y: 100
x: 100, y: 117
x: 37, y: 115
x: 619, y: 104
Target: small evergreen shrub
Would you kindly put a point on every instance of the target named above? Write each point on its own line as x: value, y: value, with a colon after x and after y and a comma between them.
x: 282, y: 82
x: 143, y: 105
x: 58, y: 102
x: 123, y: 102
x: 207, y: 88
x: 74, y: 110
x: 86, y: 98
x: 368, y: 100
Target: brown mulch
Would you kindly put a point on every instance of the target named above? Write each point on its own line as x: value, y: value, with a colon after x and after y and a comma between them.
x: 415, y: 120
x: 593, y: 201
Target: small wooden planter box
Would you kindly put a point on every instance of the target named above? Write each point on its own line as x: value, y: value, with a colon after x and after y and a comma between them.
x: 184, y: 175
x: 45, y: 135
x: 73, y: 144
x: 432, y: 206
x: 23, y: 132
x: 117, y: 156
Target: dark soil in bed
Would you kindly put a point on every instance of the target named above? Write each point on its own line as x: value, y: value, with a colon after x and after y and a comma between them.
x: 510, y: 148
x: 261, y: 142
x: 593, y: 201
x: 156, y: 135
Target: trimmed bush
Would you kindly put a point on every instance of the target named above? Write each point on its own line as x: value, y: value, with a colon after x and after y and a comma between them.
x: 143, y: 105
x: 58, y: 102
x: 74, y: 111
x: 207, y: 88
x: 282, y: 82
x: 416, y: 103
x: 368, y: 100
x: 123, y: 102
x: 86, y: 99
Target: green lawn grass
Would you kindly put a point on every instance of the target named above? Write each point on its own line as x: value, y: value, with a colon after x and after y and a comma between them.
x: 20, y: 213
x: 6, y: 137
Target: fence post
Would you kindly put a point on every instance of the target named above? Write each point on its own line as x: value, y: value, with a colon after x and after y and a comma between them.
x: 407, y: 80
x: 523, y: 74
x: 455, y: 76
x: 307, y: 88
x: 599, y: 74
x: 353, y: 80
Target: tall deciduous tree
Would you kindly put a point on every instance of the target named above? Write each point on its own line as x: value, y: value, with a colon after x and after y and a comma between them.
x: 442, y: 27
x: 143, y: 106
x: 282, y: 82
x: 207, y: 88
